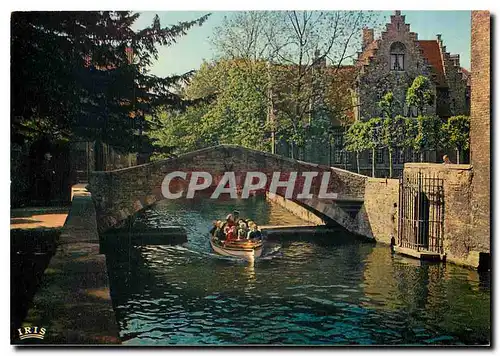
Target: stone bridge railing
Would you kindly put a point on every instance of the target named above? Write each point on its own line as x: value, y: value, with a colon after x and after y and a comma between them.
x: 121, y: 193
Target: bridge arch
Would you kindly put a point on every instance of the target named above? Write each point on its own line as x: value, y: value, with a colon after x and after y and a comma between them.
x: 120, y: 194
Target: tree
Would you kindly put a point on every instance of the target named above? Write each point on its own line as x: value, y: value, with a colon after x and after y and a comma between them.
x: 420, y: 94
x: 297, y: 44
x: 238, y: 111
x: 338, y: 95
x: 427, y: 131
x: 386, y: 105
x: 85, y: 75
x: 357, y: 139
x: 242, y: 39
x: 456, y: 134
x: 411, y: 133
x: 177, y: 132
x: 302, y: 43
x: 375, y: 136
x: 244, y: 36
x: 233, y: 112
x: 394, y: 131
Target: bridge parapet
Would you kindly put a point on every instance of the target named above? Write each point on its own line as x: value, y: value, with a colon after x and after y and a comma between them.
x: 120, y: 193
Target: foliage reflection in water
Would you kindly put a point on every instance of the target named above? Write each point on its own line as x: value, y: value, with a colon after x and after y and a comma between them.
x: 330, y: 290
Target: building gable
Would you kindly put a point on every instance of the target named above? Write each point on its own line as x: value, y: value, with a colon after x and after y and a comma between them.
x: 396, y: 58
x: 432, y: 54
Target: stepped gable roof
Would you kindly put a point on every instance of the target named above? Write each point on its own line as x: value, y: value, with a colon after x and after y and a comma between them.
x: 432, y: 52
x: 466, y: 75
x: 368, y: 52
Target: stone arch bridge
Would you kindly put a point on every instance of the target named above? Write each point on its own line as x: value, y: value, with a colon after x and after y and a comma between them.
x: 120, y: 194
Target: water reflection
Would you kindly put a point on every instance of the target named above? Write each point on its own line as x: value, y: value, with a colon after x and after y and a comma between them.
x: 334, y: 290
x: 444, y: 296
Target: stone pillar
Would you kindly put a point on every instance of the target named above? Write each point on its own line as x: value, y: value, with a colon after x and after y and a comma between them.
x: 480, y: 129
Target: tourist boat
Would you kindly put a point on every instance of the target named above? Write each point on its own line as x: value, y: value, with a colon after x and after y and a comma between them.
x: 247, y: 249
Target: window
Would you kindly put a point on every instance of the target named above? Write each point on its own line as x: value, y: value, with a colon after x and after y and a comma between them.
x: 348, y: 157
x: 398, y: 156
x: 397, y: 56
x: 338, y: 140
x: 397, y: 62
x: 337, y: 136
x: 410, y: 155
x: 467, y: 99
x: 395, y: 156
x: 401, y: 156
x: 338, y: 156
x: 380, y: 156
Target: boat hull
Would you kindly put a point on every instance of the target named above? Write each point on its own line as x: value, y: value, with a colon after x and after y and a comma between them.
x: 241, y: 252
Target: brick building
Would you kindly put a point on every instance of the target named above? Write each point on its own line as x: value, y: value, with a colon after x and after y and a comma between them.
x: 391, y: 63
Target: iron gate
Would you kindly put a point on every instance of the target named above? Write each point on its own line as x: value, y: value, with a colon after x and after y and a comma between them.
x: 421, y: 212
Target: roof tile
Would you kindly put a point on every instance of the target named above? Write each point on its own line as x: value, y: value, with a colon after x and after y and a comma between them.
x: 432, y: 52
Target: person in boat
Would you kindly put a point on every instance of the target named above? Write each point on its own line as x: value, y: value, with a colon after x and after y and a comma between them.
x: 253, y: 233
x: 230, y: 220
x: 230, y: 232
x: 230, y: 228
x: 219, y: 230
x: 227, y: 223
x: 242, y: 229
x: 238, y: 219
x: 214, y: 228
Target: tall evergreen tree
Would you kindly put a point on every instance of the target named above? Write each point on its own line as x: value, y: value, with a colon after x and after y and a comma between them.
x: 84, y: 75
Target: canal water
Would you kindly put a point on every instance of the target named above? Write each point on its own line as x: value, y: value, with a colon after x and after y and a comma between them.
x: 323, y: 290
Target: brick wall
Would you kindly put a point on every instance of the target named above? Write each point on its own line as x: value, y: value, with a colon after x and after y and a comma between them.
x: 379, y: 214
x: 480, y: 128
x: 459, y: 244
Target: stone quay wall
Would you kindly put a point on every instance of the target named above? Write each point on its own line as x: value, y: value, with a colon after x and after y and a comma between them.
x: 379, y: 214
x: 74, y: 300
x: 460, y: 243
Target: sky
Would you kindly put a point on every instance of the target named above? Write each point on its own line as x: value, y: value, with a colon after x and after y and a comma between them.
x: 190, y: 51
